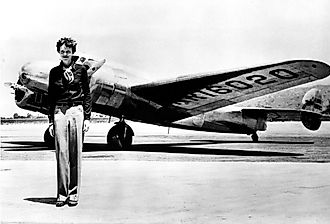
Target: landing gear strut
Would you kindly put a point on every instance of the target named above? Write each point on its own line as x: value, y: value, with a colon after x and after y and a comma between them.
x: 255, y: 137
x: 120, y: 136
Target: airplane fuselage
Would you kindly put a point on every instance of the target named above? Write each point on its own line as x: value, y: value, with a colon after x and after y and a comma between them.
x: 112, y: 95
x: 201, y: 102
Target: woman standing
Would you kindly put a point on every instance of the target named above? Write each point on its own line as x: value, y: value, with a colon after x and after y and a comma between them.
x: 70, y: 108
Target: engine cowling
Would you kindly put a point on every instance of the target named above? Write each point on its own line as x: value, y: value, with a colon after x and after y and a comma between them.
x: 29, y: 100
x: 311, y: 121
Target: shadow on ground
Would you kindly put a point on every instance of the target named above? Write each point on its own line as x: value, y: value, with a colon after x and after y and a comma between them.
x: 24, y: 146
x: 183, y: 148
x: 50, y: 200
x: 175, y: 148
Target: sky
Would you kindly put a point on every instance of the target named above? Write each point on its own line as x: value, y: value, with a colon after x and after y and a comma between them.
x: 163, y: 39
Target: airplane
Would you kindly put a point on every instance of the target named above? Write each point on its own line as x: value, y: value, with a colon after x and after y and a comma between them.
x: 194, y: 102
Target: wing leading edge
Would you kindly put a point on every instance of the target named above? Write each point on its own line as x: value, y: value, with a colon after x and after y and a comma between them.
x: 208, y: 91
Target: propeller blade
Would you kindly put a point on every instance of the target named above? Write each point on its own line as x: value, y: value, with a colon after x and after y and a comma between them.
x: 8, y: 84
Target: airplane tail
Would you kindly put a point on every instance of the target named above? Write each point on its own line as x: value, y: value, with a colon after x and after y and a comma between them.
x: 314, y: 101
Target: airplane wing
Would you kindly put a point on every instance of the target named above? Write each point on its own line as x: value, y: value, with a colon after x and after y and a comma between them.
x: 278, y: 114
x: 196, y: 94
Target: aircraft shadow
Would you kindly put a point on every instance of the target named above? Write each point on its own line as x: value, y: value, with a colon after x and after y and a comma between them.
x: 251, y: 142
x: 26, y: 146
x: 172, y: 148
x: 182, y: 148
x: 50, y: 200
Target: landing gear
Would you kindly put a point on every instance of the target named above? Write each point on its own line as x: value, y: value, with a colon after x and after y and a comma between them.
x: 120, y: 136
x: 255, y: 137
x: 49, y: 140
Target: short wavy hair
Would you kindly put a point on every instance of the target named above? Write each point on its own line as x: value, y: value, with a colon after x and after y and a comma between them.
x: 67, y: 41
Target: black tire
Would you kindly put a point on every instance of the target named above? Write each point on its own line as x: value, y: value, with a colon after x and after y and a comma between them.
x: 49, y: 140
x: 116, y: 138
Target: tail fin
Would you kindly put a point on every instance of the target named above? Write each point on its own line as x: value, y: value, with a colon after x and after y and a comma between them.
x: 313, y: 100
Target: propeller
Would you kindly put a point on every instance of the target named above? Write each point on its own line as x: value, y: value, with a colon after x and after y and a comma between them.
x: 8, y: 84
x: 12, y: 85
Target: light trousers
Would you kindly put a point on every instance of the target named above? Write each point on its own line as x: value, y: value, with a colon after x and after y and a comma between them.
x: 68, y: 127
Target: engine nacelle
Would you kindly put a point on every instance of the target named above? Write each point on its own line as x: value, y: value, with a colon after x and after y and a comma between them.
x: 29, y: 100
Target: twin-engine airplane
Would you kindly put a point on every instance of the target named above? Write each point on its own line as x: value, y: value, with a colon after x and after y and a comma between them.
x: 195, y: 102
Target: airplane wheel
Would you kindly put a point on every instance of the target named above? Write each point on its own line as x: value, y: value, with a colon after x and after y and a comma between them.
x: 255, y: 137
x: 120, y: 136
x: 48, y: 139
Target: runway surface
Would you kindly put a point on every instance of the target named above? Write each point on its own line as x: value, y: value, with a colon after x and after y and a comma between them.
x: 180, y: 177
x: 282, y: 142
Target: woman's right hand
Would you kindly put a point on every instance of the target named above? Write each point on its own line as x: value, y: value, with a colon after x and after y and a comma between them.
x: 51, y: 129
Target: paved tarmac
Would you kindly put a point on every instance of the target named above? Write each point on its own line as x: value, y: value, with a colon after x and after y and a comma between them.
x: 183, y: 177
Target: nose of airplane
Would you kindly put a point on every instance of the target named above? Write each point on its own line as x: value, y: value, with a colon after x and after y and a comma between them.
x: 34, y: 75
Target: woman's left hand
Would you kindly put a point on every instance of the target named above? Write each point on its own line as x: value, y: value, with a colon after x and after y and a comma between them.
x: 86, y: 125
